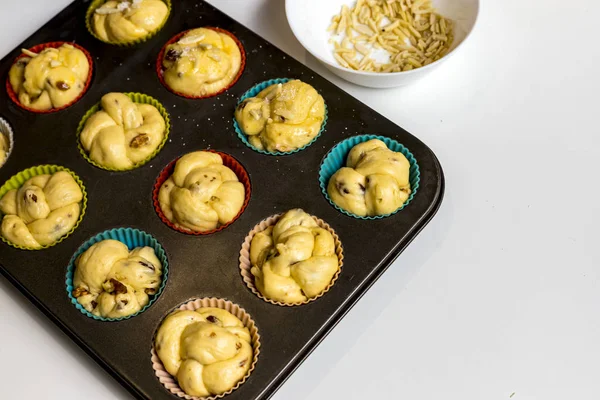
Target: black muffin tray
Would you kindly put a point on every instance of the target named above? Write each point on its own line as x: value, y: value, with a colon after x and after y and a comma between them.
x: 202, y: 266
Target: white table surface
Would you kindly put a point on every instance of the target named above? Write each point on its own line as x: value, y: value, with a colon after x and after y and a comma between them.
x: 500, y: 294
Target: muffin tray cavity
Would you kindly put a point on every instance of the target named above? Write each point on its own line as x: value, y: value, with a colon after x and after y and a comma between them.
x: 201, y: 266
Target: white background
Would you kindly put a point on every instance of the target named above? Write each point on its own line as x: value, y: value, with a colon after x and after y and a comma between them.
x: 500, y: 293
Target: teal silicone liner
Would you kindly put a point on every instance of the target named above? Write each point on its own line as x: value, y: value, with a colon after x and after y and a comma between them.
x: 252, y: 93
x: 132, y: 238
x: 336, y: 159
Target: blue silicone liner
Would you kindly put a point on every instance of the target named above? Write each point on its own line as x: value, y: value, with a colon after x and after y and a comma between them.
x: 132, y: 238
x: 336, y: 159
x: 252, y: 93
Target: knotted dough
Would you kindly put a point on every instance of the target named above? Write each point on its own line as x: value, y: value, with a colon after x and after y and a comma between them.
x: 126, y: 21
x: 208, y: 350
x: 50, y: 79
x: 202, y: 62
x: 123, y: 133
x: 375, y: 180
x: 202, y: 193
x: 283, y: 117
x: 112, y: 282
x: 294, y: 260
x: 42, y: 210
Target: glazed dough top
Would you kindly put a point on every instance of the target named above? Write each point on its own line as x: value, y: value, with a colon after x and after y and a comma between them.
x: 294, y: 260
x: 4, y: 147
x: 41, y: 211
x: 202, y: 193
x: 126, y: 21
x: 51, y: 79
x: 202, y: 62
x: 123, y: 133
x: 283, y: 117
x: 208, y: 350
x: 112, y: 282
x: 375, y: 180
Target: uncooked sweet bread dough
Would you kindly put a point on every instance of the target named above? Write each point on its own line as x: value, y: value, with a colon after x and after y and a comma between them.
x: 42, y: 210
x: 202, y: 62
x: 375, y: 180
x: 51, y: 79
x: 208, y: 350
x: 112, y: 282
x: 282, y: 117
x: 123, y: 133
x: 202, y: 193
x: 126, y: 21
x: 294, y: 260
x: 4, y: 147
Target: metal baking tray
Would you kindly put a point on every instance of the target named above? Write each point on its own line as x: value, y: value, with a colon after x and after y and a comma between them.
x: 202, y: 266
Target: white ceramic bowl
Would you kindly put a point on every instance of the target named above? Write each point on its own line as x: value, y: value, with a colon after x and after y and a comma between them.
x: 309, y: 20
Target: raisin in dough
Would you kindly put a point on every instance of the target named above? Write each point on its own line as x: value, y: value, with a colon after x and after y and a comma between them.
x: 294, y: 260
x: 51, y: 79
x: 208, y: 350
x: 126, y: 21
x: 375, y: 180
x: 41, y: 211
x: 202, y: 62
x: 112, y: 282
x: 282, y: 117
x: 123, y: 133
x: 202, y: 193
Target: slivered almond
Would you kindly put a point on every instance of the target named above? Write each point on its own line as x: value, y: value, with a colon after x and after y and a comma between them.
x: 107, y: 10
x: 191, y: 39
x: 28, y: 53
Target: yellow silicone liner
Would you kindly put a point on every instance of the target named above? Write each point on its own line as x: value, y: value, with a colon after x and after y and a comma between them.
x: 97, y: 3
x: 17, y: 180
x: 136, y: 98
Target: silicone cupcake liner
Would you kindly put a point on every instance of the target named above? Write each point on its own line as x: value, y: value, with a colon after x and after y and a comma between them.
x: 170, y: 383
x: 132, y: 238
x: 252, y: 92
x: 7, y: 131
x: 97, y: 3
x: 229, y: 162
x: 160, y: 69
x: 336, y: 159
x: 17, y: 180
x: 136, y: 98
x: 37, y: 49
x: 246, y: 265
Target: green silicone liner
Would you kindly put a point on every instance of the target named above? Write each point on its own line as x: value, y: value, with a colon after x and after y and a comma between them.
x: 252, y: 92
x: 336, y: 158
x: 132, y: 238
x: 97, y: 3
x: 17, y: 180
x: 136, y: 98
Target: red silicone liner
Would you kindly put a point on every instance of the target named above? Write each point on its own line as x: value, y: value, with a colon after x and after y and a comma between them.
x: 229, y: 162
x: 38, y: 49
x: 160, y: 69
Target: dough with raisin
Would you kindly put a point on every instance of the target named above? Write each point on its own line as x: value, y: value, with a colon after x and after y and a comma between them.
x: 112, y: 282
x: 207, y: 350
x: 42, y: 210
x: 50, y: 79
x: 126, y: 21
x: 123, y: 133
x: 202, y: 62
x: 283, y: 117
x: 202, y: 193
x: 375, y: 180
x: 294, y: 260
